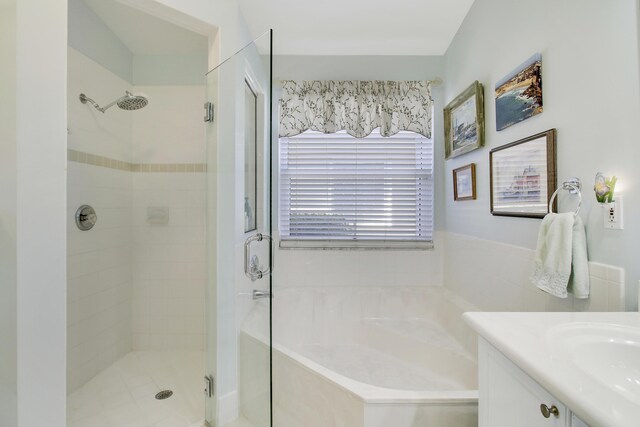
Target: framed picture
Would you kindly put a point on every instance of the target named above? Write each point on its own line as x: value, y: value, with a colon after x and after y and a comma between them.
x: 464, y: 182
x: 464, y: 122
x: 519, y: 93
x: 523, y: 176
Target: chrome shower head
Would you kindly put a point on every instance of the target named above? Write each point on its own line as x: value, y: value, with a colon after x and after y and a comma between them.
x: 129, y: 102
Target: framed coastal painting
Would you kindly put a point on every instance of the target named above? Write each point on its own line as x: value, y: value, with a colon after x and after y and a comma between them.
x: 464, y: 122
x: 523, y: 176
x: 464, y: 182
x: 519, y: 93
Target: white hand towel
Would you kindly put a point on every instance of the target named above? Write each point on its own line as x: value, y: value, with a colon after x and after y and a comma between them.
x: 561, y: 256
x: 579, y: 280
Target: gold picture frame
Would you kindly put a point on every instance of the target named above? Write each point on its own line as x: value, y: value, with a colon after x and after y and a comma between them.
x: 464, y: 122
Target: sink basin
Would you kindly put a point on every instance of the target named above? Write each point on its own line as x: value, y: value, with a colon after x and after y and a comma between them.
x: 606, y: 353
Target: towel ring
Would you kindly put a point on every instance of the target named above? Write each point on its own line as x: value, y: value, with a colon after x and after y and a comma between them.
x: 573, y: 185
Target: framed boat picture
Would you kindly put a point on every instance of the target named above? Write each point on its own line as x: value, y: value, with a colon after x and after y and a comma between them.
x: 523, y: 176
x: 464, y: 122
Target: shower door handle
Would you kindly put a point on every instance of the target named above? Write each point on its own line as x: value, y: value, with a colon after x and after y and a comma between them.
x: 251, y: 267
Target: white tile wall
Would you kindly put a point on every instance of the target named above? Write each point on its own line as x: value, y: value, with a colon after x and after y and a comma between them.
x: 169, y: 265
x: 495, y: 277
x: 99, y: 272
x: 297, y: 267
x: 106, y: 134
x: 170, y: 128
x: 131, y: 285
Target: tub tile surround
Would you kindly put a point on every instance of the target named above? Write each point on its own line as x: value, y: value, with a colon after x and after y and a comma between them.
x: 495, y: 277
x: 341, y: 362
x: 360, y: 267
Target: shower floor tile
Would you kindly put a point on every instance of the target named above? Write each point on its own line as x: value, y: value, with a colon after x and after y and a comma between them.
x: 123, y: 395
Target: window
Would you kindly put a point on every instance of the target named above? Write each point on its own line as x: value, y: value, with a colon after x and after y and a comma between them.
x: 341, y: 191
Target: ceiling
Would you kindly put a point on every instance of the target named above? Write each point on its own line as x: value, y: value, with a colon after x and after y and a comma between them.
x: 357, y: 27
x: 144, y: 34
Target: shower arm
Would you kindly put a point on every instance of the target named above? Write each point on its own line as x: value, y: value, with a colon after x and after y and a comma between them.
x: 84, y: 99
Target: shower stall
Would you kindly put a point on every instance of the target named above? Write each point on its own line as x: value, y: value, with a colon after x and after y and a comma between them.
x: 162, y: 195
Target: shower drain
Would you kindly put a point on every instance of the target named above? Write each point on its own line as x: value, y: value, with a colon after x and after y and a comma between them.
x: 164, y: 394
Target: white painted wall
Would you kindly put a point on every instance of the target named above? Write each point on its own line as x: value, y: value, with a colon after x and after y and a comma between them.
x: 41, y: 118
x: 89, y: 35
x: 297, y: 267
x: 170, y: 70
x: 590, y: 70
x: 8, y: 362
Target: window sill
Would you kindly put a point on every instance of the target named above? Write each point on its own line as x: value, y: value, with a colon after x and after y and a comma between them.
x: 411, y: 245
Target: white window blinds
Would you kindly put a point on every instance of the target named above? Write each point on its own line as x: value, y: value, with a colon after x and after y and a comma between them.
x: 341, y: 191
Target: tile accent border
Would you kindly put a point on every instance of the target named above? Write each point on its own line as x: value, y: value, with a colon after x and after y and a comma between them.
x: 106, y: 162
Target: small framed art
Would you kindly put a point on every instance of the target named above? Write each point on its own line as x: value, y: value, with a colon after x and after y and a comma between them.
x: 464, y: 182
x: 523, y: 176
x: 464, y: 122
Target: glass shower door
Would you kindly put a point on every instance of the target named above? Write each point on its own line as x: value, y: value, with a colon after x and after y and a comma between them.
x: 238, y: 328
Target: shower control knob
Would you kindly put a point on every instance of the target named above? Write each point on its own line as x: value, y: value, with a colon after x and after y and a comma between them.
x: 86, y: 217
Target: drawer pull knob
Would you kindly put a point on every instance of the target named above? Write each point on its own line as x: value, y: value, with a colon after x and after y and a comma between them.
x: 548, y: 411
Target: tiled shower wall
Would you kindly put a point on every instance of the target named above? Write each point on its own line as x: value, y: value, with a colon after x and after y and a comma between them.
x: 169, y: 265
x: 169, y: 274
x: 99, y: 289
x: 133, y: 285
x: 99, y: 326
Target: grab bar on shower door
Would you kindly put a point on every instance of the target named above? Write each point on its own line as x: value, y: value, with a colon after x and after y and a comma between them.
x: 251, y: 264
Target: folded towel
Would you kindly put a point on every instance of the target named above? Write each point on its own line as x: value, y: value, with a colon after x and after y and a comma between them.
x: 561, y: 262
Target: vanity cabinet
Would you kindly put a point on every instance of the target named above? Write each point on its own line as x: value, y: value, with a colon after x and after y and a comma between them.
x: 508, y: 397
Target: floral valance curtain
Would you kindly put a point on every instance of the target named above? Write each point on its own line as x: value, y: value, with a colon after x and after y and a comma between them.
x: 358, y: 107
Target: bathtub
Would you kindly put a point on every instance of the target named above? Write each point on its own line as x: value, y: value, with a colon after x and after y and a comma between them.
x: 361, y: 357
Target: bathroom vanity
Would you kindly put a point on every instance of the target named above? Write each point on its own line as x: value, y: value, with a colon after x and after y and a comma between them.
x: 558, y: 369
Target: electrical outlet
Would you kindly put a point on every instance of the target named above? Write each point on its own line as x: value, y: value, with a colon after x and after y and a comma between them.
x: 613, y: 214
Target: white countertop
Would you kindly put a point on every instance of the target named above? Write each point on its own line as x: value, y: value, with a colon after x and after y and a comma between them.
x: 524, y: 339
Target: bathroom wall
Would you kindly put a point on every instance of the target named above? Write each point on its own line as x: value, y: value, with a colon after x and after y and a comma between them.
x: 590, y: 68
x: 8, y: 297
x: 41, y: 209
x: 295, y: 267
x: 133, y: 285
x: 89, y: 35
x: 99, y: 293
x: 506, y: 283
x: 169, y: 259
